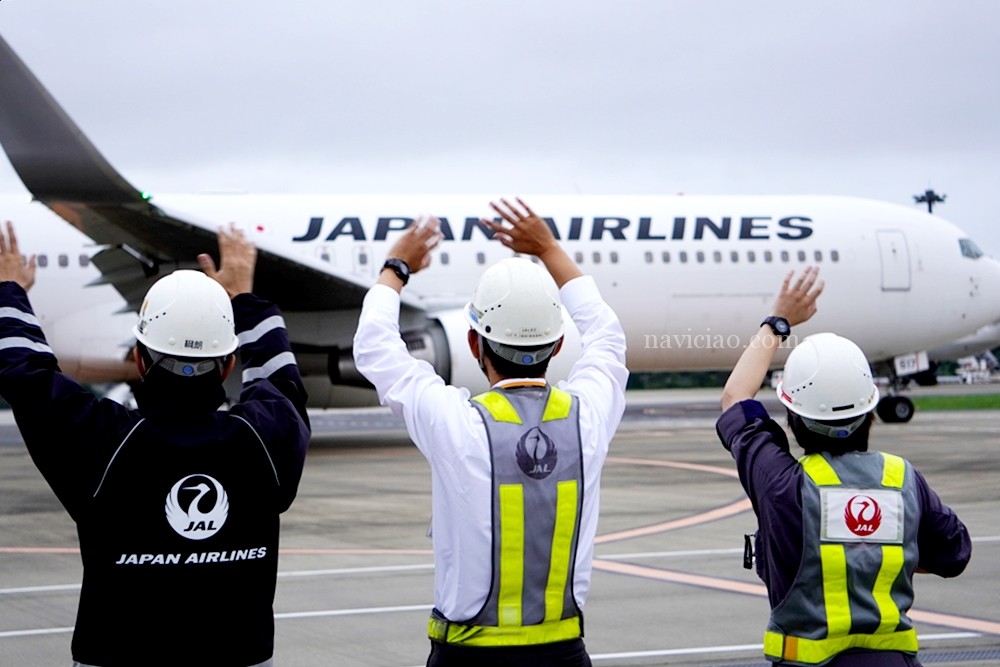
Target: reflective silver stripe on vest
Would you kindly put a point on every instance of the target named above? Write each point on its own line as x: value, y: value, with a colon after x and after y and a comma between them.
x: 859, y: 520
x: 536, y: 453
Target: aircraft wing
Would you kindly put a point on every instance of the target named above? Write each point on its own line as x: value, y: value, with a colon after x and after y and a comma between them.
x: 63, y: 170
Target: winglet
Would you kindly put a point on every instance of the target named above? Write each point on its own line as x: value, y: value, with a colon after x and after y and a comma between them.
x: 47, y: 149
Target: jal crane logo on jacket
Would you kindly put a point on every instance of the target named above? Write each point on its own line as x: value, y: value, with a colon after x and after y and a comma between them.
x: 190, y: 509
x: 536, y: 454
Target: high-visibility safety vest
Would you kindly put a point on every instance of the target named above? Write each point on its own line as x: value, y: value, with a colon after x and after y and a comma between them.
x: 537, y: 461
x: 855, y: 583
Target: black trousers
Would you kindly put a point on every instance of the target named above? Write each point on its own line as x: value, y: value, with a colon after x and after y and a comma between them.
x: 559, y: 654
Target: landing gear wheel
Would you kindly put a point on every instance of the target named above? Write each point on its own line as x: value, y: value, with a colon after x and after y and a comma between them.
x: 895, y: 409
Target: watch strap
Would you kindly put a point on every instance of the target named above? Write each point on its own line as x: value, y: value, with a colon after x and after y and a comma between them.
x: 399, y: 267
x: 779, y: 325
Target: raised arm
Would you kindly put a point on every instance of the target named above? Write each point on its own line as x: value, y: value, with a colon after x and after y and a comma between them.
x: 12, y: 265
x: 237, y: 260
x: 413, y: 248
x: 527, y: 233
x: 796, y: 303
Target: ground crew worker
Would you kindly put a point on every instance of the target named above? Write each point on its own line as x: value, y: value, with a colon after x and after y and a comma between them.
x: 176, y: 503
x: 516, y: 470
x: 842, y: 530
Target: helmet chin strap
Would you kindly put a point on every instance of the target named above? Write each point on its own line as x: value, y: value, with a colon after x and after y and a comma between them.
x: 183, y: 367
x: 833, y: 430
x: 522, y: 357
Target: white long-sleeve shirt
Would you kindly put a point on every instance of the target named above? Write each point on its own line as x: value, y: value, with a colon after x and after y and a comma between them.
x: 451, y: 435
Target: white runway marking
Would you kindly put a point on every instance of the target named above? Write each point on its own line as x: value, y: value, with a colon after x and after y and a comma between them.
x: 352, y: 612
x: 756, y: 648
x: 700, y: 650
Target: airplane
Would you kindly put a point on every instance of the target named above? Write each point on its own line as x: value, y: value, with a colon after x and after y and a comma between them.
x: 690, y: 277
x: 981, y: 341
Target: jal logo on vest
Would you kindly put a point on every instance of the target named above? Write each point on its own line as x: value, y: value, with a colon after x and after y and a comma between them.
x: 197, y: 507
x: 862, y: 515
x: 536, y: 455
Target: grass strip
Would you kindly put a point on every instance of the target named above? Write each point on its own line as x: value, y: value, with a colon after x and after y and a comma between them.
x: 964, y: 402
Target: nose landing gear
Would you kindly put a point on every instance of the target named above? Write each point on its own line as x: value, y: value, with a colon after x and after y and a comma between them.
x: 895, y: 409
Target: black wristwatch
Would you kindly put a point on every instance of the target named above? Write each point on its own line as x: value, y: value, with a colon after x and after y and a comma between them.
x: 779, y: 325
x: 399, y: 267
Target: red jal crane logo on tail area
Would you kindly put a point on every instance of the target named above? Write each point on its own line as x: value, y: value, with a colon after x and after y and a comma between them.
x: 863, y: 515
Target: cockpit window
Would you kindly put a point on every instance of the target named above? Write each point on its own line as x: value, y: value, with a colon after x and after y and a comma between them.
x: 970, y: 249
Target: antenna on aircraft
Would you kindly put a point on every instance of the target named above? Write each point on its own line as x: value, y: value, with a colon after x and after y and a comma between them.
x: 930, y: 198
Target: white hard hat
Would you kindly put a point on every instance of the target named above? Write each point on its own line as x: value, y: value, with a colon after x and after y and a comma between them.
x: 827, y: 377
x: 516, y: 303
x: 187, y: 314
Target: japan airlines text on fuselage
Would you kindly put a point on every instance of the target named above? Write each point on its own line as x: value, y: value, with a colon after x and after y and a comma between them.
x: 690, y: 277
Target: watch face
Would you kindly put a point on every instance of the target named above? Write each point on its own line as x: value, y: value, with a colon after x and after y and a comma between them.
x: 782, y: 326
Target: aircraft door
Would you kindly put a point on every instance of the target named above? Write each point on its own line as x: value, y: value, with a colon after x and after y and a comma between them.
x: 895, y: 257
x: 363, y: 261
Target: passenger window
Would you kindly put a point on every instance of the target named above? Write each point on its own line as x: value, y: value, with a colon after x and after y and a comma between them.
x: 596, y: 257
x: 84, y: 260
x: 43, y: 261
x: 784, y: 255
x: 683, y: 256
x: 834, y: 256
x: 768, y: 256
x: 666, y: 256
x: 818, y: 255
x: 614, y: 257
x: 648, y: 256
x: 700, y: 257
x: 802, y: 255
x: 751, y: 256
x: 734, y: 257
x: 480, y: 258
x: 445, y: 259
x: 579, y: 257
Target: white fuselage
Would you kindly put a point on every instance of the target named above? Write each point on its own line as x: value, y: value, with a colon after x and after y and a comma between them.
x: 690, y: 277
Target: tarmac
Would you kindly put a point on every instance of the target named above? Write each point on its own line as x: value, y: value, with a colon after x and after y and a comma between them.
x: 356, y: 568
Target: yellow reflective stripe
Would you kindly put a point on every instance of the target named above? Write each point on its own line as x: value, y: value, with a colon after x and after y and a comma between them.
x: 819, y: 470
x: 479, y: 635
x: 562, y: 549
x: 558, y: 405
x: 893, y: 470
x: 816, y: 651
x: 498, y: 406
x: 774, y: 645
x: 838, y: 608
x: 511, y: 554
x: 892, y: 565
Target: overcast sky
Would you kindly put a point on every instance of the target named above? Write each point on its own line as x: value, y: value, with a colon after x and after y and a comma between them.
x: 873, y: 98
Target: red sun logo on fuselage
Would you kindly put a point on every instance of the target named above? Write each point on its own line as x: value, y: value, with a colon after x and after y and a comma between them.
x: 862, y: 515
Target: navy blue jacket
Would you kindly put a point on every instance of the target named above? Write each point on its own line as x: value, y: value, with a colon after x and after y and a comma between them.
x: 176, y: 503
x: 771, y: 477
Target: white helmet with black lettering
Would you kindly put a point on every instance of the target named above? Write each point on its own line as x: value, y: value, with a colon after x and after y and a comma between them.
x: 516, y: 305
x: 187, y: 314
x: 827, y: 378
